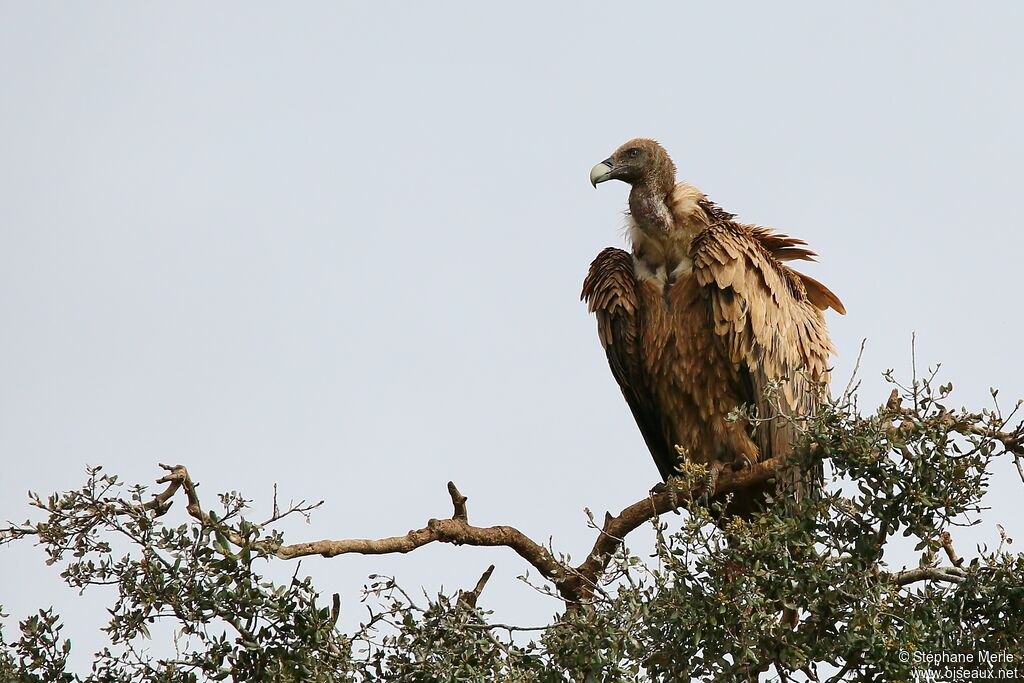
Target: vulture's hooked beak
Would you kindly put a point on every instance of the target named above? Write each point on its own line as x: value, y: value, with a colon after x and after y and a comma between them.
x: 602, y: 172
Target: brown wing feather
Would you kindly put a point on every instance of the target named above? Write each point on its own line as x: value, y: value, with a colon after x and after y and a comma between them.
x: 820, y: 295
x: 772, y: 331
x: 786, y: 248
x: 610, y: 292
x: 782, y: 247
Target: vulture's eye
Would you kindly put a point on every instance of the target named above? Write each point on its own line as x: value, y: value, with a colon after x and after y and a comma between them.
x: 633, y: 152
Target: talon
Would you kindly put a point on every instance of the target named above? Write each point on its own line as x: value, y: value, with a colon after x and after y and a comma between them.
x: 741, y: 464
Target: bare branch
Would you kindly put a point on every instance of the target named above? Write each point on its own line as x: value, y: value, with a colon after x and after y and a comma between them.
x: 162, y: 502
x: 458, y: 502
x: 454, y: 531
x: 469, y: 598
x: 947, y: 545
x: 908, y: 576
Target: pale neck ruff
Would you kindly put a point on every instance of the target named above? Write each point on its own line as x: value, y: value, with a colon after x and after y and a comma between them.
x: 662, y: 256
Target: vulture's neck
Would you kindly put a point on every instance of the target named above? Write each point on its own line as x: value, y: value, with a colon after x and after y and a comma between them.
x: 661, y: 230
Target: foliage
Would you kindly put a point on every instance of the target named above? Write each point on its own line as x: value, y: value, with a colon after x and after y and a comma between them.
x: 800, y: 592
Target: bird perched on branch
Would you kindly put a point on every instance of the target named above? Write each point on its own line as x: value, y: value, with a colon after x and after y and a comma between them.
x: 704, y: 317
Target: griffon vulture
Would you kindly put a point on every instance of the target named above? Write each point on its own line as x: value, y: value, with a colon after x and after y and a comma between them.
x: 701, y: 318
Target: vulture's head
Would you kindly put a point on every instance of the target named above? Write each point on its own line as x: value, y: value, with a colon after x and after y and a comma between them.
x: 638, y: 162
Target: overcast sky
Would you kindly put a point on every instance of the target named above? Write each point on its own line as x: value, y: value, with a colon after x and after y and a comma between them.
x: 339, y: 246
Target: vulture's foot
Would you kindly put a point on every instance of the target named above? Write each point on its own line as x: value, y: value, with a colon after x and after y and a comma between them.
x: 710, y: 485
x: 672, y: 487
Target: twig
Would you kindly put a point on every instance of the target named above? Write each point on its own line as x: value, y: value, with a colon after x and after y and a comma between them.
x: 856, y: 368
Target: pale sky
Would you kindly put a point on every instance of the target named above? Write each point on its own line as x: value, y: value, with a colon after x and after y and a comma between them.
x: 339, y: 246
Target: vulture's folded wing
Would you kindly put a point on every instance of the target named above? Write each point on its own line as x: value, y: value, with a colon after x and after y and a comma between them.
x: 770, y: 329
x: 611, y: 294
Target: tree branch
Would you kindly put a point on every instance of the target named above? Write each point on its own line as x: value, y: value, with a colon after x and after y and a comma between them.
x: 574, y: 584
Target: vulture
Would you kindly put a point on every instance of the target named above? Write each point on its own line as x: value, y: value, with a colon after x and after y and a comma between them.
x: 703, y: 317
